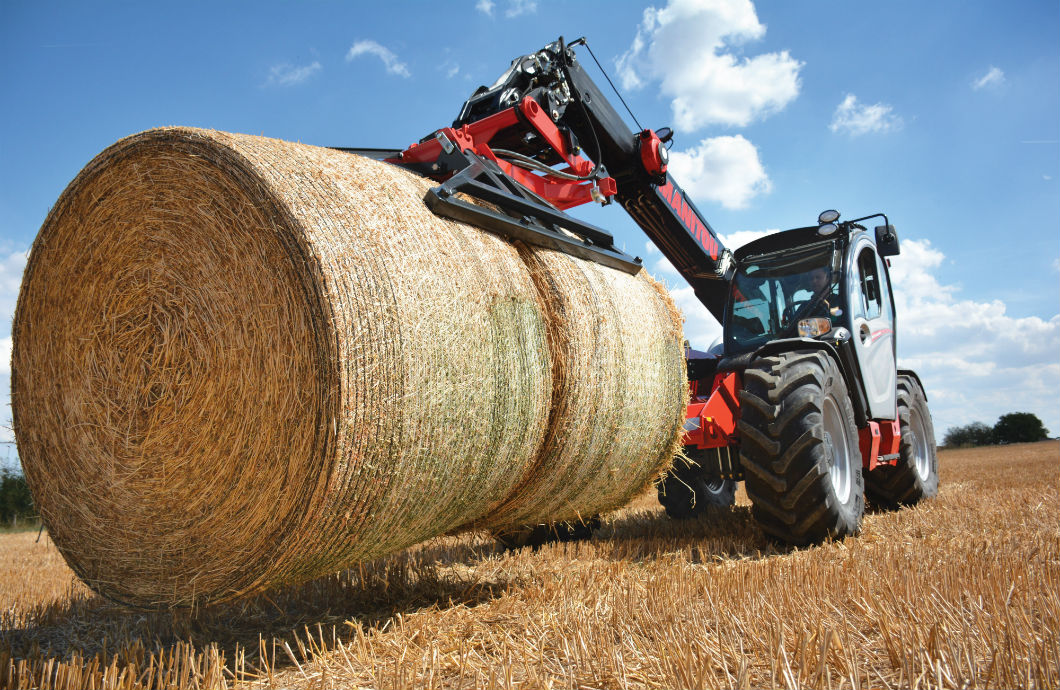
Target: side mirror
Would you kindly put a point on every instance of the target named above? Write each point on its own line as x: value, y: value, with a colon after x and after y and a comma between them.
x: 886, y: 240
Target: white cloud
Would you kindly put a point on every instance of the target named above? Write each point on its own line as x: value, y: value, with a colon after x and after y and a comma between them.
x: 661, y: 268
x: 684, y: 45
x: 992, y: 79
x: 12, y: 265
x: 390, y: 60
x: 520, y: 7
x: 450, y: 68
x: 977, y: 362
x: 286, y: 74
x: 855, y: 118
x: 701, y: 330
x: 722, y: 169
x: 516, y: 8
x: 735, y: 240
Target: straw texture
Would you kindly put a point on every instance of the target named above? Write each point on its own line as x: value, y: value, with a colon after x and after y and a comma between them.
x: 241, y: 362
x: 618, y: 370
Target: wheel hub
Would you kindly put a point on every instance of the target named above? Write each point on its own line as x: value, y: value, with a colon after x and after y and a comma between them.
x: 715, y: 486
x: 839, y: 453
x: 918, y: 443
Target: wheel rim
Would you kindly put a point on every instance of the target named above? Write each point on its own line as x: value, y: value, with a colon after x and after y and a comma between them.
x: 918, y: 444
x: 836, y: 438
x: 715, y: 486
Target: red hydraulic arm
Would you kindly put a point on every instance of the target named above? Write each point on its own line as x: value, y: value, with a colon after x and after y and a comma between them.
x: 546, y: 126
x: 476, y: 136
x: 711, y: 422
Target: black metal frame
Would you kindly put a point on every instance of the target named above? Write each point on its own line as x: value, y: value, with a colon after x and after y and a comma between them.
x: 524, y: 216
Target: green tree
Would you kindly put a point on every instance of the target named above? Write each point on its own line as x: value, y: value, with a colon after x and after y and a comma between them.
x: 15, y: 498
x: 1019, y: 427
x: 974, y: 434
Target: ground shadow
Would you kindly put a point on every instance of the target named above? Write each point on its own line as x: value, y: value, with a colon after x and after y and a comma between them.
x: 644, y: 534
x: 87, y: 625
x: 717, y: 534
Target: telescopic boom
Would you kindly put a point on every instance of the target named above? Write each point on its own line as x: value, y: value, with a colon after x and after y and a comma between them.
x: 543, y: 139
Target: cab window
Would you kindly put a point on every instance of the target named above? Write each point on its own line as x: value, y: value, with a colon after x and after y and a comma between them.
x: 885, y: 293
x: 773, y: 291
x: 869, y: 281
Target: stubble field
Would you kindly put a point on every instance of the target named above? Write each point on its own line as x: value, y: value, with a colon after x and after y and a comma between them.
x: 963, y: 591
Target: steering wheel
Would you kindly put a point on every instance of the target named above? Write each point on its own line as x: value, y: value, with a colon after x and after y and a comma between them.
x: 793, y: 309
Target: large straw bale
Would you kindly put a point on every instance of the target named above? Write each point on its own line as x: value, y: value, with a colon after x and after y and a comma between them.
x: 617, y: 371
x: 241, y: 362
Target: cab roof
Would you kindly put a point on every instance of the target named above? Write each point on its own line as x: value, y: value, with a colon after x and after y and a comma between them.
x: 785, y: 239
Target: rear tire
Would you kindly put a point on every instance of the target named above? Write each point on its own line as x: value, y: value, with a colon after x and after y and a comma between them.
x: 916, y: 476
x: 799, y: 448
x: 685, y: 492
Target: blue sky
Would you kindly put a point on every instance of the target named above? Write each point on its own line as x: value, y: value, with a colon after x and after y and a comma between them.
x: 944, y: 115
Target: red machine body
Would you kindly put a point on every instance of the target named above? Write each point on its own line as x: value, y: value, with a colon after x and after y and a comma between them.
x: 710, y: 420
x: 475, y: 138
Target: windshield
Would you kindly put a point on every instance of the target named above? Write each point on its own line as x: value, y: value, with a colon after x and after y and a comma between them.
x: 771, y: 292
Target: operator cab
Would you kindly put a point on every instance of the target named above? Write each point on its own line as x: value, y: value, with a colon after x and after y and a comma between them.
x: 827, y: 283
x: 783, y: 293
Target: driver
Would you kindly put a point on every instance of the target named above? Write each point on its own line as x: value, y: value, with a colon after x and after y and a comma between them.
x: 815, y: 283
x: 820, y: 281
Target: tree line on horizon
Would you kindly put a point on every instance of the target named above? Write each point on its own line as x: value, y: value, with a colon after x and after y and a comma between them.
x: 1014, y: 427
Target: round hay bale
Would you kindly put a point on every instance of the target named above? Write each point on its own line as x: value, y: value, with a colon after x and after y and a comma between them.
x: 241, y: 362
x: 619, y: 392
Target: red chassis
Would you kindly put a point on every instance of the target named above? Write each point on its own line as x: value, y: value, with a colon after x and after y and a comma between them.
x: 711, y: 419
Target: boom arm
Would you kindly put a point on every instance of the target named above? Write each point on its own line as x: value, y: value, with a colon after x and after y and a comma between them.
x: 650, y: 194
x: 544, y: 112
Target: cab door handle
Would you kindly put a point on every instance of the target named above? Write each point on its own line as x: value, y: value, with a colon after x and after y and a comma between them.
x: 864, y: 333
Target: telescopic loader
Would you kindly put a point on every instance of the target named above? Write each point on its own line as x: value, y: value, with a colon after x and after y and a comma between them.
x: 802, y: 398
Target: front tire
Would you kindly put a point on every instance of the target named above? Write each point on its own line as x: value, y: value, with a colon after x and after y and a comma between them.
x: 916, y: 476
x: 799, y: 448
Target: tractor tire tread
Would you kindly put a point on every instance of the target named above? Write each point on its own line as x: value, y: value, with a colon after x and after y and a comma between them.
x: 783, y: 448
